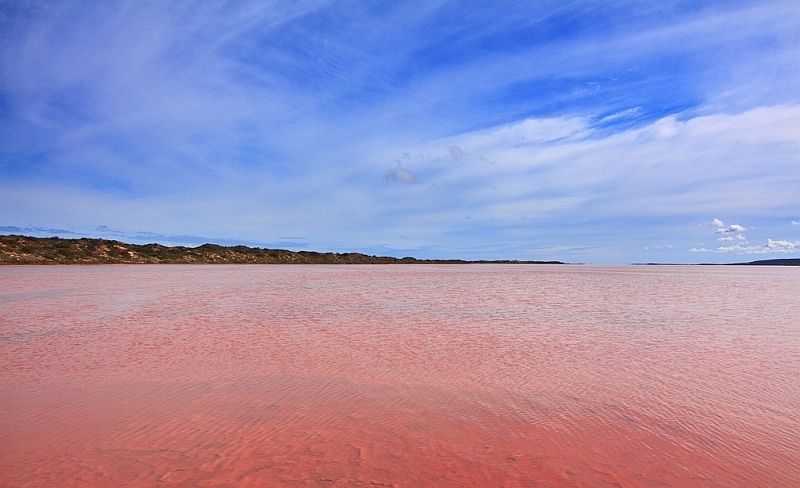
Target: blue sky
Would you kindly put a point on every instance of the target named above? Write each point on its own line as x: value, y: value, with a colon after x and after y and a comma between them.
x: 586, y: 131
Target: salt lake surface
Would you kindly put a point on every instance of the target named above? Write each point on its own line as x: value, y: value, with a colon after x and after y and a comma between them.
x: 399, y: 375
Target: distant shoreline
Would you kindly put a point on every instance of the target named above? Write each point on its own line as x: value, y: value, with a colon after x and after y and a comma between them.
x: 19, y: 249
x: 760, y: 262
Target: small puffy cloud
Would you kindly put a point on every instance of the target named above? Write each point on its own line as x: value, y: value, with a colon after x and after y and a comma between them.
x: 722, y: 228
x: 736, y: 228
x: 795, y: 222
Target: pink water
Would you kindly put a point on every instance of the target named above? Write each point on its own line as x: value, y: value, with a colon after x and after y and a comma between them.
x: 472, y: 375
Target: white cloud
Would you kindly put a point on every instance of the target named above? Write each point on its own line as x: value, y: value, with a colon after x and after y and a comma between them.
x: 724, y: 229
x: 782, y: 245
x: 658, y: 246
x: 736, y: 228
x: 772, y: 246
x: 795, y: 222
x: 738, y: 243
x: 640, y: 171
x: 736, y: 237
x: 738, y: 248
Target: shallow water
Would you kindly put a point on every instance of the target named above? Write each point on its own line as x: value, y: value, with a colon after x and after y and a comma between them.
x: 399, y: 375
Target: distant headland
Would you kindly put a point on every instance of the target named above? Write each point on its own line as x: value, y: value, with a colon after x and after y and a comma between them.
x: 772, y: 262
x: 18, y: 249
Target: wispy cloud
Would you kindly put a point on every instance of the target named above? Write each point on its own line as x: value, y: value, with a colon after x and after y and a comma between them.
x: 628, y: 114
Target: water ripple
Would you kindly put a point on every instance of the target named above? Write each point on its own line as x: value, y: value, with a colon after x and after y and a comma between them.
x: 399, y: 376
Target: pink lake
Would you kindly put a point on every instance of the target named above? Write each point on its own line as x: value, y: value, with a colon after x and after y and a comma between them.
x: 399, y: 375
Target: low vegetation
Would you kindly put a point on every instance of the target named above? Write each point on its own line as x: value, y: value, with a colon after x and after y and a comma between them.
x: 17, y: 249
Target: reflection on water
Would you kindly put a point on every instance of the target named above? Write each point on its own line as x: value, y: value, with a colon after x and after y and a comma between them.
x: 471, y: 375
